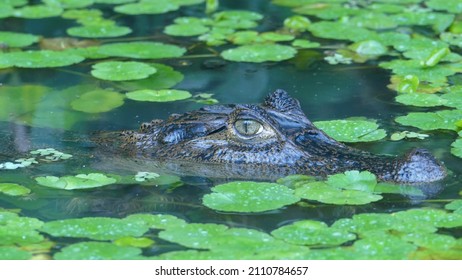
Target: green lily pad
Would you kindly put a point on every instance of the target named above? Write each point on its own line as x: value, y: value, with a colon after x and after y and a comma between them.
x: 96, y: 31
x: 145, y: 7
x: 13, y: 253
x: 19, y: 230
x: 352, y: 130
x: 445, y: 119
x: 69, y: 4
x: 39, y: 59
x: 158, y: 221
x: 6, y: 10
x: 98, y: 101
x: 383, y: 247
x: 452, y: 6
x: 455, y: 205
x: 13, y: 189
x: 165, y: 77
x: 421, y: 100
x: 97, y: 251
x: 322, y: 192
x: 185, y: 29
x: 431, y: 240
x: 142, y: 50
x: 140, y: 242
x: 162, y: 95
x: 249, y: 197
x: 38, y: 11
x: 114, y: 1
x: 122, y: 71
x: 306, y: 44
x: 312, y: 233
x: 297, y: 22
x: 96, y: 228
x: 456, y: 148
x: 353, y: 180
x: 259, y: 53
x: 17, y: 40
x: 276, y: 37
x: 81, y: 181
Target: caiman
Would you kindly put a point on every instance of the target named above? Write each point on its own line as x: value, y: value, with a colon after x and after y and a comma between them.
x: 264, y: 141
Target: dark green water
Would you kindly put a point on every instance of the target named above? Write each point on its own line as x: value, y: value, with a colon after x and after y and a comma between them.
x: 325, y: 92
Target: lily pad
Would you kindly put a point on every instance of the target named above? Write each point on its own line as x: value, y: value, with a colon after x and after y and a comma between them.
x: 122, y: 71
x: 185, y: 29
x: 352, y: 130
x: 13, y: 253
x: 249, y: 197
x: 445, y: 119
x: 13, y: 189
x: 98, y: 101
x: 145, y: 7
x: 16, y: 230
x: 353, y: 180
x: 158, y: 221
x: 17, y: 40
x: 97, y: 251
x: 96, y: 228
x: 162, y: 95
x: 259, y: 53
x: 96, y: 31
x: 421, y: 100
x: 165, y: 77
x: 312, y: 233
x: 140, y: 242
x: 38, y: 11
x: 455, y: 205
x: 69, y: 4
x: 39, y: 59
x: 81, y: 181
x: 322, y: 192
x: 142, y: 50
x: 383, y: 246
x: 456, y: 148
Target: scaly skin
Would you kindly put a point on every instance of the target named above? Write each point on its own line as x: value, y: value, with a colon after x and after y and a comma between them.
x: 275, y: 139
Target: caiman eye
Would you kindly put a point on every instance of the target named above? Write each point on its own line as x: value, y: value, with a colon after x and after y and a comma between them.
x: 248, y: 127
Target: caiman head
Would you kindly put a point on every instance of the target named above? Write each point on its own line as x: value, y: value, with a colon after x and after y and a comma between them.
x: 275, y: 135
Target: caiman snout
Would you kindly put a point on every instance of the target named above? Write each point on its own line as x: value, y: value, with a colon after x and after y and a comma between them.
x: 419, y: 166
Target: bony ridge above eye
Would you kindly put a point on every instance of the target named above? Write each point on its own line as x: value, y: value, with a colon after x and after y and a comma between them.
x: 248, y: 127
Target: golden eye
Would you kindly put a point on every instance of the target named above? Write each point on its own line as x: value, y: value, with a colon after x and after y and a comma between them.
x: 248, y: 127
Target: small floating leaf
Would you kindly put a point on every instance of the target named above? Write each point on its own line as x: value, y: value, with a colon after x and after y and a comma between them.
x: 259, y: 53
x: 445, y: 119
x: 157, y: 7
x: 185, y: 29
x: 13, y: 189
x: 97, y: 228
x: 353, y: 180
x: 14, y: 253
x: 308, y: 232
x: 39, y: 59
x: 249, y: 197
x: 456, y: 148
x: 300, y: 43
x: 140, y: 242
x: 69, y: 4
x: 421, y: 99
x: 19, y: 230
x: 38, y: 11
x: 81, y: 181
x: 98, y: 101
x: 162, y: 95
x: 96, y: 31
x: 165, y: 77
x: 97, y: 251
x: 158, y: 221
x: 352, y: 130
x: 455, y: 205
x: 122, y: 71
x: 297, y: 22
x: 324, y: 193
x: 142, y: 50
x: 17, y: 40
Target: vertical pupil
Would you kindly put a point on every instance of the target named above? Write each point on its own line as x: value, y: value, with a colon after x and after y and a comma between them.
x: 246, y: 126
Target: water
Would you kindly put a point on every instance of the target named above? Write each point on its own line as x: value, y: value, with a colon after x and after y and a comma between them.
x: 324, y: 91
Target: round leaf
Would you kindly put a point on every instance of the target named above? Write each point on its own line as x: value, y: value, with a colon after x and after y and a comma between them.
x: 185, y: 29
x: 98, y: 101
x: 162, y: 95
x: 99, y: 31
x: 39, y: 59
x: 249, y: 197
x: 157, y: 7
x: 122, y: 71
x: 97, y: 251
x: 17, y: 40
x: 13, y: 189
x: 352, y: 130
x: 81, y: 181
x: 142, y: 50
x: 259, y: 53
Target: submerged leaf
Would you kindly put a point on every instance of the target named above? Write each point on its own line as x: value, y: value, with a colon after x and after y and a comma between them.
x: 162, y: 95
x: 249, y: 197
x: 98, y: 101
